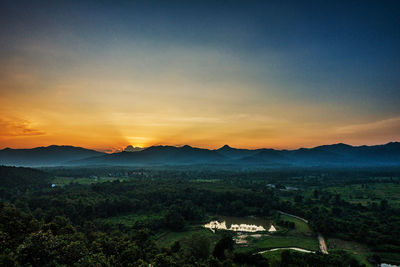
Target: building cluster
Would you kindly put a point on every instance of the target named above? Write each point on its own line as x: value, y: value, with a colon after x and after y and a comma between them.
x: 215, y: 225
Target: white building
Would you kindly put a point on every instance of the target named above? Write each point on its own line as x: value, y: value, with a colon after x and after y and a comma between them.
x: 215, y: 225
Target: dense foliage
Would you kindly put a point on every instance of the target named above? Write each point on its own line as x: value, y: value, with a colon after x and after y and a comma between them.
x: 69, y: 225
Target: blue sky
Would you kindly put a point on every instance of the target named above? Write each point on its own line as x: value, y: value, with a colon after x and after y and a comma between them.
x: 249, y: 73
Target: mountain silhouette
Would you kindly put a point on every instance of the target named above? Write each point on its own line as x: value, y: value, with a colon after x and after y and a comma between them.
x: 235, y: 153
x: 325, y: 155
x: 45, y: 156
x: 159, y: 155
x: 267, y: 156
x: 130, y: 148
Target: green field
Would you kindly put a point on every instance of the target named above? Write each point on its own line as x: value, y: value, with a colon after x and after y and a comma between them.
x: 63, y: 181
x: 302, y: 237
x: 372, y: 192
x: 359, y: 251
x: 206, y: 180
x: 273, y: 257
x: 216, y: 186
x: 300, y: 226
x: 166, y: 239
x: 273, y: 241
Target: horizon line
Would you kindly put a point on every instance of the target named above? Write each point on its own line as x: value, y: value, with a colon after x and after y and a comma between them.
x: 121, y: 149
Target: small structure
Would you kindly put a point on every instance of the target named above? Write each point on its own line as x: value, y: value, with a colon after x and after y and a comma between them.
x: 215, y: 225
x: 246, y: 228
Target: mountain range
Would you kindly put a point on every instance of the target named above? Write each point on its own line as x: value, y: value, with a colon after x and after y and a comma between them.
x: 326, y: 155
x: 45, y: 156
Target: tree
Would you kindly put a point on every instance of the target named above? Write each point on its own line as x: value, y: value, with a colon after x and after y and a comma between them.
x: 39, y: 249
x: 383, y: 204
x: 224, y: 244
x: 199, y: 246
x: 176, y: 246
x: 298, y: 198
x: 285, y: 258
x: 163, y: 260
x: 174, y: 221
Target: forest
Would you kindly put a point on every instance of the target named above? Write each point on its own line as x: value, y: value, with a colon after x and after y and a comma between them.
x: 111, y: 216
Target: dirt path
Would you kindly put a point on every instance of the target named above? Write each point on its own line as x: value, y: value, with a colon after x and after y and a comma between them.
x: 321, y: 240
x: 292, y: 248
x: 322, y: 244
x: 294, y: 216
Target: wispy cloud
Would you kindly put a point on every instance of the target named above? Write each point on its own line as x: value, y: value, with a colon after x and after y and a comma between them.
x: 387, y: 125
x: 16, y: 128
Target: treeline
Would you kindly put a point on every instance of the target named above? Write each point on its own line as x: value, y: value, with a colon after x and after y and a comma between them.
x: 26, y: 241
x: 44, y: 226
x: 17, y: 180
x: 181, y: 199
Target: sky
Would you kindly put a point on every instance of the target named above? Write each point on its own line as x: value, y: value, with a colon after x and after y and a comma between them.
x: 251, y: 74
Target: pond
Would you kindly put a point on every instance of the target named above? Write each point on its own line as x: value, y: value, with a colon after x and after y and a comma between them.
x: 240, y: 224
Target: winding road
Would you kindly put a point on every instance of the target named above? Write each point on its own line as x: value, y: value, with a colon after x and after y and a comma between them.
x: 321, y: 240
x: 294, y: 216
x: 322, y: 244
x: 292, y: 248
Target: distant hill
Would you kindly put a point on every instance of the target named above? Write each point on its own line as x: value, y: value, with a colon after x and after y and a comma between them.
x: 326, y: 155
x: 159, y: 155
x: 269, y: 156
x: 342, y: 154
x: 235, y: 153
x: 45, y: 156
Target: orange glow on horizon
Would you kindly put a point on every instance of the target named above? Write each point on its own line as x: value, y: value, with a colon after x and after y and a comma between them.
x: 207, y: 100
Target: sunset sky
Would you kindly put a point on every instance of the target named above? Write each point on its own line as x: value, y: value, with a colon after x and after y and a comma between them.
x: 251, y: 74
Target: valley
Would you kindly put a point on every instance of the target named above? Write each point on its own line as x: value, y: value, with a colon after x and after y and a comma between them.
x: 318, y: 220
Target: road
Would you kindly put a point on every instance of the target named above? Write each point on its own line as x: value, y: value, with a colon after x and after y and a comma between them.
x: 322, y: 244
x: 292, y: 248
x: 321, y: 240
x: 294, y: 216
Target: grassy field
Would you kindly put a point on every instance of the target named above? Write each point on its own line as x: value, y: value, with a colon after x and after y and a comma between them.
x: 359, y: 251
x: 273, y: 241
x: 216, y: 186
x: 276, y: 241
x: 273, y: 257
x: 206, y: 180
x: 163, y: 238
x: 372, y: 192
x: 62, y: 181
x: 302, y: 237
x: 166, y: 239
x: 300, y: 226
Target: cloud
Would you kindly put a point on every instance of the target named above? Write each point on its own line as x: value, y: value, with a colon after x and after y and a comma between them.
x: 376, y: 132
x: 383, y: 126
x: 17, y: 128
